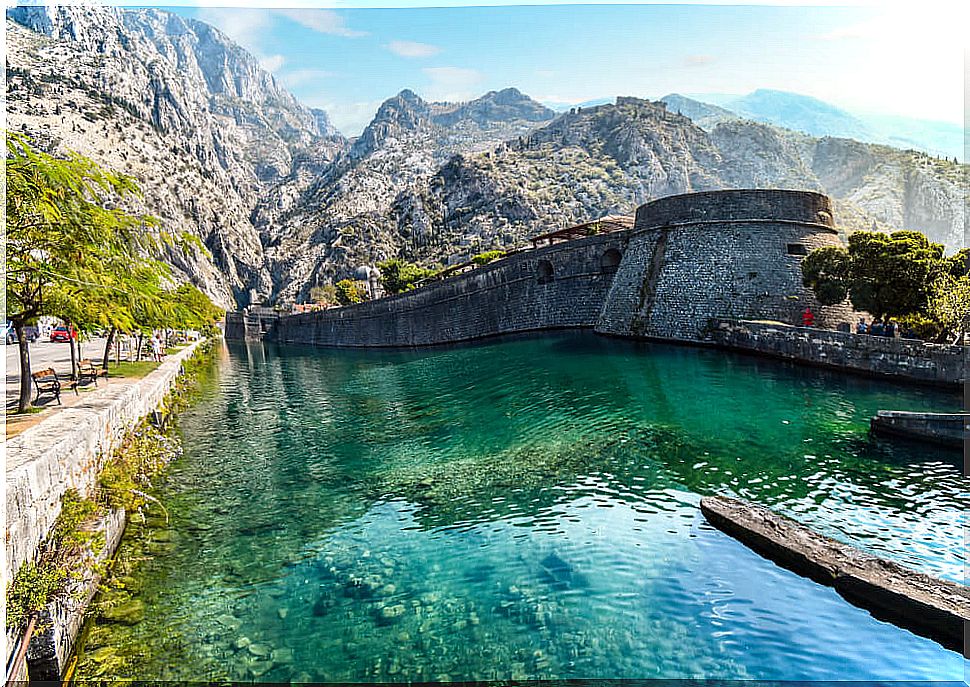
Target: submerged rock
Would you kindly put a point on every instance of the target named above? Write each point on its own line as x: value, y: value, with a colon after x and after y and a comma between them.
x: 323, y: 604
x: 129, y: 613
x: 260, y: 650
x: 390, y: 614
x: 559, y: 574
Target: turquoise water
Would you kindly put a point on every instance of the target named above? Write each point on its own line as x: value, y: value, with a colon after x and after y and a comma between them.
x: 528, y: 508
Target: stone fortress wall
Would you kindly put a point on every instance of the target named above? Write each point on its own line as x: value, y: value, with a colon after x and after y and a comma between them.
x: 688, y: 259
x: 719, y: 254
x: 554, y: 287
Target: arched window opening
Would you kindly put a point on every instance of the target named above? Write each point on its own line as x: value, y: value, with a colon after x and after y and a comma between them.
x: 544, y: 272
x: 610, y: 260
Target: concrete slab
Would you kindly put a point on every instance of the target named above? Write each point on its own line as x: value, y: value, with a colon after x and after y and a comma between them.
x: 934, y: 608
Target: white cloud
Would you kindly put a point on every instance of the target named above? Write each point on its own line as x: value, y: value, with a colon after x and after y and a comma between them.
x: 322, y: 21
x: 272, y: 63
x: 302, y: 77
x: 412, y: 49
x: 452, y: 83
x: 245, y: 26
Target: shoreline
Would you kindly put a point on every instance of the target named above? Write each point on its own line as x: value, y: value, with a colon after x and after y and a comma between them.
x: 67, y: 451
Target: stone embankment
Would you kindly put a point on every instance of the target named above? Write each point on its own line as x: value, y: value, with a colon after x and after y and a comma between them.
x: 945, y: 429
x: 905, y: 359
x: 934, y: 608
x: 67, y: 451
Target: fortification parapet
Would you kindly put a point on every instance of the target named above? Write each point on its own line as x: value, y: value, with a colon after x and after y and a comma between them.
x: 737, y: 205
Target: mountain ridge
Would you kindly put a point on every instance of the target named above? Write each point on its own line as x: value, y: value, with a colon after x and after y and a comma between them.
x: 283, y: 202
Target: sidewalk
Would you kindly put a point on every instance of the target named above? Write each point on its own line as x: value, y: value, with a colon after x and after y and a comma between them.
x: 66, y: 448
x: 57, y: 355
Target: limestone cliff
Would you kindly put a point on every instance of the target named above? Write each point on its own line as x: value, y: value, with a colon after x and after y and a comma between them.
x: 282, y: 201
x: 177, y: 105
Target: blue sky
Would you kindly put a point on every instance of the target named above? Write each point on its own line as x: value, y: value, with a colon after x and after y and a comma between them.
x: 896, y: 60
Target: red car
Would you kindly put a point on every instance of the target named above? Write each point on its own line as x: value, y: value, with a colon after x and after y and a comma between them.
x: 62, y: 334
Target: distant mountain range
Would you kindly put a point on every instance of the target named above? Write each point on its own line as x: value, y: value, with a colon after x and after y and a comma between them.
x: 283, y: 202
x: 818, y: 118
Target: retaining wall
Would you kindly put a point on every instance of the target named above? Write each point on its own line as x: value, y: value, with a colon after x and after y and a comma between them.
x: 901, y: 358
x: 67, y: 451
x: 559, y: 286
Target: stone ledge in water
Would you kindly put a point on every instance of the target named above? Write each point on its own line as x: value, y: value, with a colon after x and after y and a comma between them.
x: 934, y: 608
x: 946, y: 429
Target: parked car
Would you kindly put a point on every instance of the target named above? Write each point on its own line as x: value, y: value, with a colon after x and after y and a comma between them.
x: 10, y: 334
x: 61, y: 333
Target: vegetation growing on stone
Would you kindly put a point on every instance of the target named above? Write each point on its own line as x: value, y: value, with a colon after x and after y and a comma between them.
x: 398, y: 276
x: 488, y: 256
x: 123, y: 483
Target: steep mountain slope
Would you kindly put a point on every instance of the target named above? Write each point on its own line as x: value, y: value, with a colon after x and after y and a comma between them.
x: 342, y: 218
x: 180, y: 107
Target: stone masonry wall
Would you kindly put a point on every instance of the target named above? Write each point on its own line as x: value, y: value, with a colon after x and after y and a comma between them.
x: 67, y: 450
x: 511, y: 295
x: 902, y: 358
x: 732, y: 254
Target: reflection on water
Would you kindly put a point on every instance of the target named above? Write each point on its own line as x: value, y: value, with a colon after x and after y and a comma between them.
x: 528, y: 509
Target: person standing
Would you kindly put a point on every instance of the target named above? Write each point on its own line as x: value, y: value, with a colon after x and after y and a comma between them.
x: 156, y: 347
x: 861, y: 327
x: 808, y: 318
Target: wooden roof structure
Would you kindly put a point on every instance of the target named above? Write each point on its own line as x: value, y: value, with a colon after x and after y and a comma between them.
x: 603, y: 225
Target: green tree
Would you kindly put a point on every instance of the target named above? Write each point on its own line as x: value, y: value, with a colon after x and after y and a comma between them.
x: 398, y: 276
x: 826, y: 272
x: 892, y: 274
x: 348, y: 292
x: 949, y: 306
x: 958, y: 264
x: 883, y: 274
x: 324, y: 295
x: 65, y: 246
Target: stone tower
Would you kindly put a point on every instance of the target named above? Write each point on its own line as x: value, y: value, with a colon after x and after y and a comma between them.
x: 732, y: 254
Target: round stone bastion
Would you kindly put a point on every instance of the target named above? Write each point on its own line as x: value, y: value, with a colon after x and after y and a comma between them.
x: 732, y: 254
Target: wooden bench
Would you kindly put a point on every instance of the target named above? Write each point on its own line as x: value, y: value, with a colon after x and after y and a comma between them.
x: 88, y: 370
x: 46, y: 382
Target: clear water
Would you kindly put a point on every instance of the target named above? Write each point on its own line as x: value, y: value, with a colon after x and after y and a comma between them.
x: 528, y: 508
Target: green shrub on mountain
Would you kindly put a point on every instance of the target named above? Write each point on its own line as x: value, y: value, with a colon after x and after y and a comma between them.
x: 398, y: 276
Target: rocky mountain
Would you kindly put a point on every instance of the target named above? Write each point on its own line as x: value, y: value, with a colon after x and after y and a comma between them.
x: 610, y: 158
x: 283, y: 202
x: 180, y: 107
x: 704, y: 115
x: 402, y: 148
